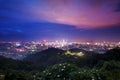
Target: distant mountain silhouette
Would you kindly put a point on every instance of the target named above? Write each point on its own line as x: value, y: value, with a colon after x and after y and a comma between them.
x: 113, y: 54
x: 47, y: 57
x: 53, y: 56
x: 76, y: 50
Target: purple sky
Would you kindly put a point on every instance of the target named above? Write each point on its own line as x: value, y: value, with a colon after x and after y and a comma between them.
x: 90, y: 20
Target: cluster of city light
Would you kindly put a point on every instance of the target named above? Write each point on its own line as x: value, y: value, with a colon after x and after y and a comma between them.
x: 80, y: 54
x: 57, y: 43
x: 23, y: 48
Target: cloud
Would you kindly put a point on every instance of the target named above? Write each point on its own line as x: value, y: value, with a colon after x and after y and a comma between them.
x: 11, y: 34
x: 80, y: 13
x: 85, y: 14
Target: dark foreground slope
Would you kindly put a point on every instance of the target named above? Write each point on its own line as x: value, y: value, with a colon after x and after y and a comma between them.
x: 59, y: 66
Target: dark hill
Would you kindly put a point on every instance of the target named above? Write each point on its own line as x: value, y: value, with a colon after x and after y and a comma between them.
x: 87, y: 53
x: 53, y: 56
x: 10, y: 64
x: 46, y: 57
x: 76, y: 50
x: 113, y: 54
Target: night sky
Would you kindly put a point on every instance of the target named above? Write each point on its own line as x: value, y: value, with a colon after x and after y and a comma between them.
x: 73, y: 20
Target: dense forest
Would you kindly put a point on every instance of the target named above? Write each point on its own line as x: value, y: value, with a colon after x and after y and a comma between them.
x: 54, y: 64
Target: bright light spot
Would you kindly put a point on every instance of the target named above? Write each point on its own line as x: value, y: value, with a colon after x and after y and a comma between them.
x: 74, y: 54
x: 80, y: 54
x: 18, y: 44
x: 68, y: 53
x: 33, y: 50
x: 88, y: 43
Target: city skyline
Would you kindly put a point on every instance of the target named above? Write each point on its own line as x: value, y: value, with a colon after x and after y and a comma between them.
x: 72, y: 20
